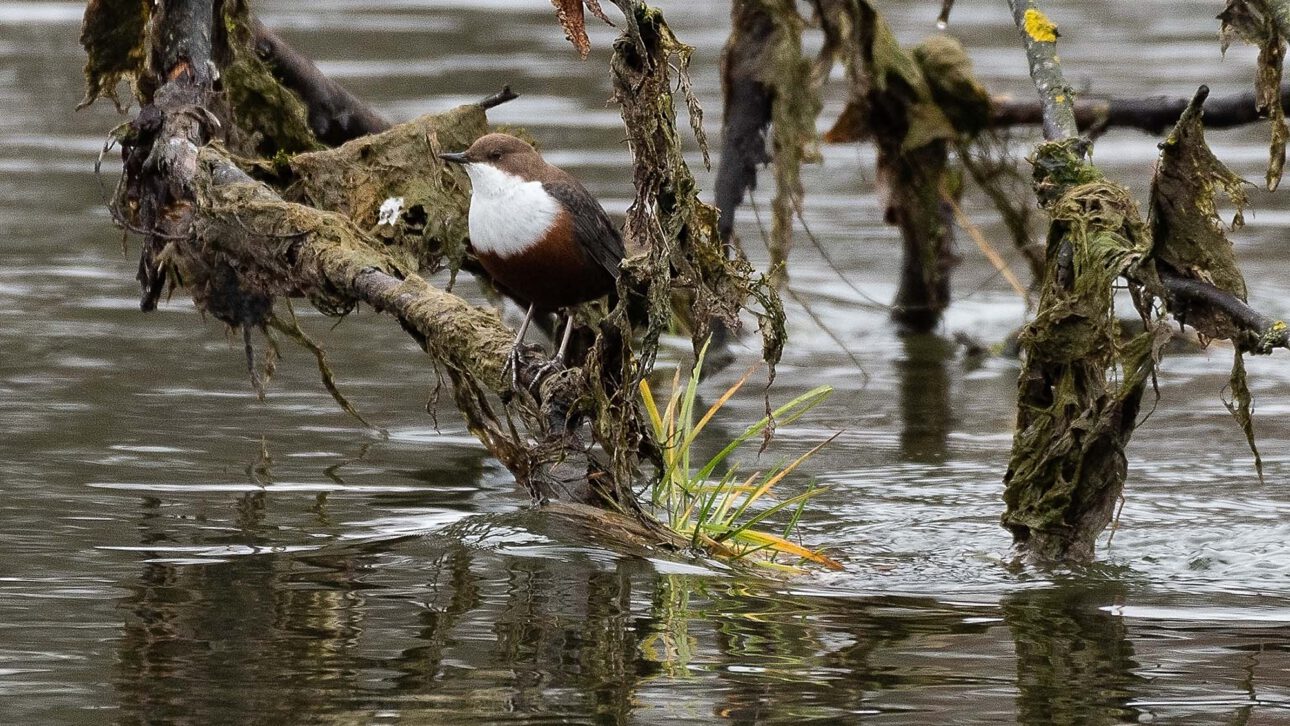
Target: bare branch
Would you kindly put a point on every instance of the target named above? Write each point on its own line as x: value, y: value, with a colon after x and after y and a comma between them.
x: 335, y: 114
x: 1040, y: 37
x: 1262, y: 333
x: 1153, y: 115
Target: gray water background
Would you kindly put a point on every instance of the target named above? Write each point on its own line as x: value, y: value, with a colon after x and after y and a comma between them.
x: 155, y: 569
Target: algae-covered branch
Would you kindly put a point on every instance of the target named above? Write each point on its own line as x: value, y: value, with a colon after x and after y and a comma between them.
x: 253, y: 178
x: 1083, y: 376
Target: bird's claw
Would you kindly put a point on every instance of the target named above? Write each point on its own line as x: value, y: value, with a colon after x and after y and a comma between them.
x: 512, y: 365
x: 554, y: 365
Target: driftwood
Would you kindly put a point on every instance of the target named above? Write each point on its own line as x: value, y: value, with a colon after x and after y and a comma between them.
x: 237, y: 245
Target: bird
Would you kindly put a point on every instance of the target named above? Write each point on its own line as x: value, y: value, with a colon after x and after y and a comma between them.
x: 537, y: 232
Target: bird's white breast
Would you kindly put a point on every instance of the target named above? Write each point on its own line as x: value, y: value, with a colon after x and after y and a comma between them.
x: 508, y: 214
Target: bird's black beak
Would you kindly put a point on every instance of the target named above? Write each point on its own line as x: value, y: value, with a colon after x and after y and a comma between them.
x: 458, y: 158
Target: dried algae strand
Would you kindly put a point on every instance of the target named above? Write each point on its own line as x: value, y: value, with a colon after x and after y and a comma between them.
x: 1262, y: 23
x: 1191, y: 243
x: 681, y: 254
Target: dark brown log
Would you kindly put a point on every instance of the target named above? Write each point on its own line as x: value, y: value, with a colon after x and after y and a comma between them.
x: 1260, y: 333
x: 335, y: 114
x: 1153, y: 115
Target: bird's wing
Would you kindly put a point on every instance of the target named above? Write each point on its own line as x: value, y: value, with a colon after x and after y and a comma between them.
x: 595, y: 233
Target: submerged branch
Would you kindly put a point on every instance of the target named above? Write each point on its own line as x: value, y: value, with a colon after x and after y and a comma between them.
x: 1080, y: 387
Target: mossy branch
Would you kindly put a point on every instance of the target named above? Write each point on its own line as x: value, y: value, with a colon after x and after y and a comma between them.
x: 1074, y: 419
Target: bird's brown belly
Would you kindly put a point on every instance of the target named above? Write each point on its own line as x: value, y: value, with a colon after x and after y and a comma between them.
x: 551, y: 274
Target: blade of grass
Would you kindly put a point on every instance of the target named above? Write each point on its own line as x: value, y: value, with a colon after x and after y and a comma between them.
x: 687, y: 408
x: 782, y: 545
x: 737, y: 530
x: 746, y: 488
x: 785, y: 414
x: 651, y: 408
x: 779, y: 476
x: 712, y: 410
x: 797, y: 513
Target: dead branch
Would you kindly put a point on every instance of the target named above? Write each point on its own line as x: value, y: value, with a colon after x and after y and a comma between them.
x: 237, y: 245
x: 1056, y: 97
x: 747, y: 103
x: 335, y: 114
x: 1259, y: 333
x: 1153, y: 115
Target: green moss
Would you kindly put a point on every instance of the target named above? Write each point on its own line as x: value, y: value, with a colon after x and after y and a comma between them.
x: 357, y: 177
x: 1081, y: 386
x: 270, y: 118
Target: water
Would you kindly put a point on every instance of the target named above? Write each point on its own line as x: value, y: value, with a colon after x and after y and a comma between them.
x: 177, y: 552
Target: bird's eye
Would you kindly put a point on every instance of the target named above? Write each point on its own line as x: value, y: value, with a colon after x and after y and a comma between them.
x: 497, y: 154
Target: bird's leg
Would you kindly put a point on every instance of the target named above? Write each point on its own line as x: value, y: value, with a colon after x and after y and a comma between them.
x: 557, y: 360
x: 513, y: 360
x: 564, y: 342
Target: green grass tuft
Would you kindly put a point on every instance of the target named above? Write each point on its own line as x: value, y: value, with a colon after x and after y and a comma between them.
x: 722, y: 515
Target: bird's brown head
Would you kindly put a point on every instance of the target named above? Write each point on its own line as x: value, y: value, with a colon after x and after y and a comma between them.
x: 503, y: 151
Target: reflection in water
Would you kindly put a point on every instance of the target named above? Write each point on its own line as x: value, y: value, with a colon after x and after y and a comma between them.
x: 1075, y: 663
x: 275, y: 638
x: 338, y: 636
x: 251, y: 641
x: 924, y: 390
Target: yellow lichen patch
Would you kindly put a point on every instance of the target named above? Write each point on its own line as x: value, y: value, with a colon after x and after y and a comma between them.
x: 1039, y: 27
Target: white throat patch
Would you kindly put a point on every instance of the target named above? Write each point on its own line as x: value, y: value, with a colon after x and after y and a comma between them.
x: 507, y: 213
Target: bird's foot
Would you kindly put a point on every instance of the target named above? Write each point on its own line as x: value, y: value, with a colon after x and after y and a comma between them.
x: 553, y: 366
x: 512, y: 366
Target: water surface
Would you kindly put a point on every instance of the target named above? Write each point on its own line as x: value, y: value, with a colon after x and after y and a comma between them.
x: 175, y: 551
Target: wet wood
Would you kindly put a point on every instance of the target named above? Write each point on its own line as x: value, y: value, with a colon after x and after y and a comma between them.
x: 1153, y: 115
x: 335, y: 114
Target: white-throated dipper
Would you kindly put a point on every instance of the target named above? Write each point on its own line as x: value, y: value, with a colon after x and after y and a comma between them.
x: 537, y: 231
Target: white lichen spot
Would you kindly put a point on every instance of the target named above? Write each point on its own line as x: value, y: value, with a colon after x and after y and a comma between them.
x: 390, y: 210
